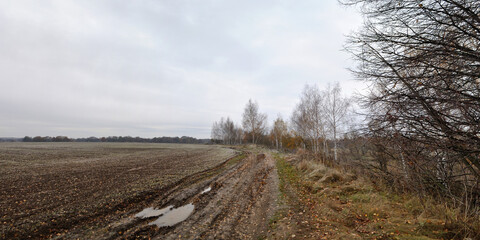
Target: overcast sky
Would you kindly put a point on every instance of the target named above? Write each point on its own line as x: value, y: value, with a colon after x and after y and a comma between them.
x: 162, y: 67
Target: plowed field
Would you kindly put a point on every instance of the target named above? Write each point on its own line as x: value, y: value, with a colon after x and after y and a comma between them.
x: 48, y: 189
x: 134, y: 191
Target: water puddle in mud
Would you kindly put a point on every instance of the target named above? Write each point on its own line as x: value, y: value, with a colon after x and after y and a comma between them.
x: 169, y: 216
x: 206, y: 190
x: 153, y: 212
x: 174, y: 216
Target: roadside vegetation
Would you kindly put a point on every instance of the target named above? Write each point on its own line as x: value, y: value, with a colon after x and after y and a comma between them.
x: 323, y: 202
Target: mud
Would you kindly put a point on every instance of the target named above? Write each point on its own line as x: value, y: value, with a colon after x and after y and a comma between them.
x: 78, y: 190
x: 242, y: 197
x: 231, y: 200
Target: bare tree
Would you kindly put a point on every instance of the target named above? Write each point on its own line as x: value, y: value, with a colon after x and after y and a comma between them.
x: 300, y: 122
x: 279, y: 130
x: 229, y: 131
x: 216, y: 133
x: 238, y: 135
x: 422, y: 61
x: 308, y: 118
x: 226, y: 132
x: 254, y: 122
x: 336, y: 110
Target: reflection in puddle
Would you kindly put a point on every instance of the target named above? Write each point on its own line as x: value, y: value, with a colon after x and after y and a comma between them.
x: 206, y: 190
x: 174, y: 216
x: 153, y: 212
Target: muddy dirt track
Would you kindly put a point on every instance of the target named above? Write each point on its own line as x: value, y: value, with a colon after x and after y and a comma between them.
x: 235, y: 204
x: 233, y: 198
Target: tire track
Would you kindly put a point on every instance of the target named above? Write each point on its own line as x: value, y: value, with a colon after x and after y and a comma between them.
x: 238, y: 207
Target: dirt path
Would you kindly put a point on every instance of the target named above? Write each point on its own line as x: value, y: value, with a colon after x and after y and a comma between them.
x: 232, y: 201
x: 239, y: 205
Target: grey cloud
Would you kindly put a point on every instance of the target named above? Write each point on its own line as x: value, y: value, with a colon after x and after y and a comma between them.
x: 153, y: 68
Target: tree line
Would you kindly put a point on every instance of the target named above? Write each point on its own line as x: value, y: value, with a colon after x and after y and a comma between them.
x: 316, y: 124
x: 183, y: 139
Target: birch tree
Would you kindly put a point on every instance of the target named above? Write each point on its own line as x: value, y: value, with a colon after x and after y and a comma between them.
x: 279, y: 130
x: 308, y: 119
x: 254, y: 122
x: 336, y: 110
x: 226, y: 132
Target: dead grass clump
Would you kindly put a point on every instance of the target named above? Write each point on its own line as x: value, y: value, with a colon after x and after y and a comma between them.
x: 303, y: 166
x: 318, y: 172
x: 312, y: 170
x: 332, y: 176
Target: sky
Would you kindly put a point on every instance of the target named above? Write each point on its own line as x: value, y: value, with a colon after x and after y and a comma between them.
x: 163, y: 67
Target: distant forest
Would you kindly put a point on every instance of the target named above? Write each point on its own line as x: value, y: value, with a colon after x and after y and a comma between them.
x: 183, y: 139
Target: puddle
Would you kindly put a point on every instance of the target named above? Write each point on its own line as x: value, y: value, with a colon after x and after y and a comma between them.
x: 174, y: 216
x: 206, y: 190
x: 153, y: 212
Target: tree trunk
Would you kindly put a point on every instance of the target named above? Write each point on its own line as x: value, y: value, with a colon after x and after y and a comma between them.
x: 335, y: 143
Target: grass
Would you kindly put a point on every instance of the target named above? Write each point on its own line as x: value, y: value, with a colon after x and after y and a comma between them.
x: 343, y: 206
x: 287, y: 173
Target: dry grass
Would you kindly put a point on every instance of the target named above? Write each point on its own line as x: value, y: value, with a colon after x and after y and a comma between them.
x: 344, y: 206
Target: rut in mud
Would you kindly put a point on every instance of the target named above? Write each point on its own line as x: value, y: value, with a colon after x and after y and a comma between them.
x: 238, y: 205
x: 232, y: 201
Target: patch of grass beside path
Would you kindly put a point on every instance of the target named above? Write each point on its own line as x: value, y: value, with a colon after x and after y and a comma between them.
x: 327, y: 203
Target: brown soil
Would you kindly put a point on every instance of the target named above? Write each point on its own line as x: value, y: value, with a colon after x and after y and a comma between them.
x: 92, y: 197
x: 48, y: 189
x: 239, y: 205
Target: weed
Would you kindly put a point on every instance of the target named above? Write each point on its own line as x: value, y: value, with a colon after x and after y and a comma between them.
x: 360, y: 197
x: 352, y: 207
